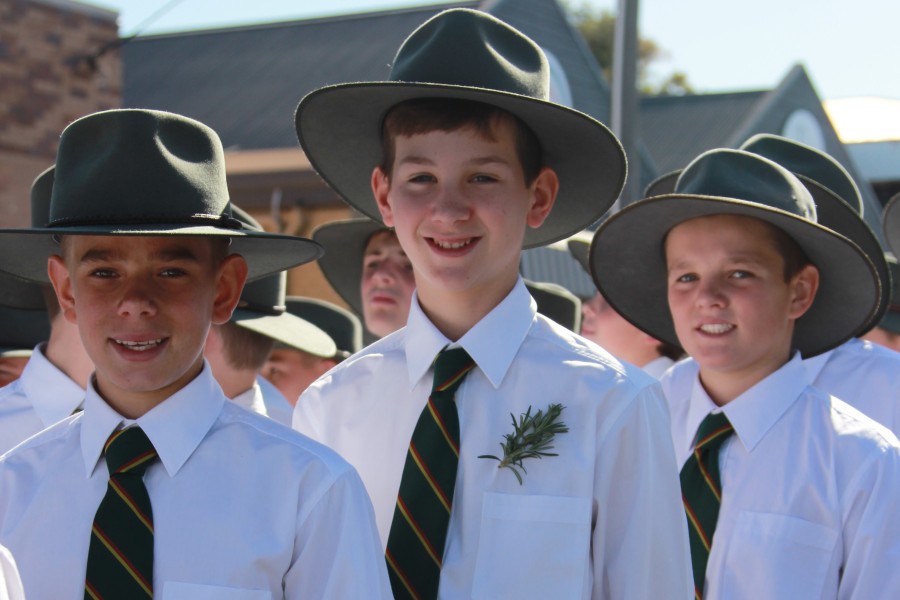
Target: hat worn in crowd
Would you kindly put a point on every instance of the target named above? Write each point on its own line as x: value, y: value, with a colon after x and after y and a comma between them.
x: 556, y: 303
x: 22, y: 330
x: 891, y: 319
x: 262, y: 309
x: 345, y: 244
x: 143, y: 173
x: 467, y: 55
x: 890, y: 221
x: 839, y: 204
x: 627, y: 256
x: 339, y: 323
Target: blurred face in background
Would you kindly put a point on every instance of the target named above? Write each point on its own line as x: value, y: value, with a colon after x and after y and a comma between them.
x: 387, y: 284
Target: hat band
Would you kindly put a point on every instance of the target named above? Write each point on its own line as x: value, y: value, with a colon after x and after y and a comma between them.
x: 220, y: 221
x: 266, y: 309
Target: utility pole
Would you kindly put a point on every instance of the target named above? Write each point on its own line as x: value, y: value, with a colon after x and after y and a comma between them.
x: 624, y: 107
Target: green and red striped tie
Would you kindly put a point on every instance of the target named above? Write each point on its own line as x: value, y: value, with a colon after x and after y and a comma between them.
x: 701, y: 491
x: 120, y: 557
x: 415, y: 547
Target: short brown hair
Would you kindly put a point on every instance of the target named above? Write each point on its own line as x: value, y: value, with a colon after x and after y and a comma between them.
x: 244, y: 349
x: 424, y: 115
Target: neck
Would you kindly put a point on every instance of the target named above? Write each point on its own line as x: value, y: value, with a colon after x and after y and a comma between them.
x: 724, y: 386
x: 65, y: 351
x: 454, y: 313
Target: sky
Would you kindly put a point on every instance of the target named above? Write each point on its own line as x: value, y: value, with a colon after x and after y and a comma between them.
x: 848, y: 48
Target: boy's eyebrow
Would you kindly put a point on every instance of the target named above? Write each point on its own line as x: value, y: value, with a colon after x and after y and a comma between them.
x: 479, y: 160
x: 166, y: 254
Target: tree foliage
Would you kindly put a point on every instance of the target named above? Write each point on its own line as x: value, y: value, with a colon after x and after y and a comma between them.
x: 598, y: 27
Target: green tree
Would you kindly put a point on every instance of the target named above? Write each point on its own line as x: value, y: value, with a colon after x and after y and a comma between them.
x: 598, y: 27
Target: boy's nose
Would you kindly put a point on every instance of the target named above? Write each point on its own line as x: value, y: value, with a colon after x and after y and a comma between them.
x: 450, y: 206
x: 710, y: 293
x: 137, y: 299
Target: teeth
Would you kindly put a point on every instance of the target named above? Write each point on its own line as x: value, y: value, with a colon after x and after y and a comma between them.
x: 716, y: 328
x: 452, y: 245
x: 140, y: 346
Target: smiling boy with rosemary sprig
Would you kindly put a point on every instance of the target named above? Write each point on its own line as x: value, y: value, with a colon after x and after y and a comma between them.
x: 474, y: 164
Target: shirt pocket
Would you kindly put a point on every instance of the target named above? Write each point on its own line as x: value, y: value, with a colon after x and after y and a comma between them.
x: 175, y: 590
x: 532, y: 547
x: 777, y: 556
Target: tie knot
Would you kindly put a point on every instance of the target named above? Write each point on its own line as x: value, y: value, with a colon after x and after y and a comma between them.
x: 128, y: 451
x: 450, y: 367
x: 713, y: 431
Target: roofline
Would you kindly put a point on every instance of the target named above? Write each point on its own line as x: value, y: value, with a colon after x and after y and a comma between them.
x: 311, y: 21
x: 84, y: 8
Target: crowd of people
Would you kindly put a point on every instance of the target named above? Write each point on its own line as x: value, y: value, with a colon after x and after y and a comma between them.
x: 718, y: 421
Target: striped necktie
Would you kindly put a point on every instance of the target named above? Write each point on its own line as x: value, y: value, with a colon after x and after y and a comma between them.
x: 701, y: 491
x: 120, y: 557
x: 415, y: 547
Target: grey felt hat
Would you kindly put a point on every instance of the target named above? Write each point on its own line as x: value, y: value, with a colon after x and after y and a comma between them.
x: 345, y: 244
x: 468, y: 55
x: 262, y: 309
x: 557, y: 303
x: 891, y: 319
x: 627, y: 255
x: 890, y: 220
x: 22, y: 330
x: 20, y: 293
x: 143, y: 173
x: 580, y: 247
x: 339, y: 323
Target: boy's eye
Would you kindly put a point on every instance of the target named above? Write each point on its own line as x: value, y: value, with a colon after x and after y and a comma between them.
x: 741, y: 274
x: 482, y: 178
x: 422, y: 178
x: 172, y: 272
x: 686, y: 278
x: 102, y: 273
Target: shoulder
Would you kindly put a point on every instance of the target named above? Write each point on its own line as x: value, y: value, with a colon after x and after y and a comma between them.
x: 373, y: 360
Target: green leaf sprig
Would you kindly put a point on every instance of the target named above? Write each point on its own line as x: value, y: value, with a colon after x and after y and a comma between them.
x: 531, y: 438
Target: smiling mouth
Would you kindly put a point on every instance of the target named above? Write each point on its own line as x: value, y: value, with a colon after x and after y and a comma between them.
x: 452, y: 245
x: 716, y: 328
x: 140, y: 346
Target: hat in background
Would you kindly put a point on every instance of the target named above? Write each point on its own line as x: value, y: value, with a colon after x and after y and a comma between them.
x: 22, y: 330
x: 342, y: 264
x: 466, y: 55
x: 262, y: 309
x: 627, y: 258
x: 891, y: 318
x: 839, y: 205
x: 890, y: 220
x: 339, y: 323
x: 557, y: 303
x: 664, y: 184
x: 143, y: 173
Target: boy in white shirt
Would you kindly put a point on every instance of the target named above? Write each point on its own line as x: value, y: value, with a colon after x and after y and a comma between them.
x: 789, y: 492
x: 471, y: 161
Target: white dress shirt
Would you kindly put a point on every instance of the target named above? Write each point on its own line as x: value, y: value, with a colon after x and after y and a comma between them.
x: 10, y: 583
x: 40, y: 397
x: 252, y: 400
x: 603, y: 519
x: 277, y: 406
x: 656, y: 367
x: 864, y: 375
x: 810, y: 491
x: 243, y: 508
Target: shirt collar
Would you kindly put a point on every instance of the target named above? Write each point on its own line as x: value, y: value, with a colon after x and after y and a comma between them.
x: 175, y: 427
x: 815, y: 365
x: 492, y: 343
x: 53, y: 394
x: 753, y: 413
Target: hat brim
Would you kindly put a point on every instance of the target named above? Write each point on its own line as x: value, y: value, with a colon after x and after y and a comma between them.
x: 628, y: 265
x: 24, y: 252
x: 345, y: 244
x: 289, y: 330
x: 19, y: 293
x: 339, y: 128
x: 891, y: 224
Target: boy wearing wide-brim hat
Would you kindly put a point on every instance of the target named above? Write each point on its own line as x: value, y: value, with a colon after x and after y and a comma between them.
x: 145, y: 255
x: 464, y: 155
x: 887, y: 333
x: 51, y: 386
x: 237, y: 351
x: 793, y: 489
x: 366, y: 266
x: 20, y: 331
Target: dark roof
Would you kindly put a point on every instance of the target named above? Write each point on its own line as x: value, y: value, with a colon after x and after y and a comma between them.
x: 675, y: 129
x: 245, y: 82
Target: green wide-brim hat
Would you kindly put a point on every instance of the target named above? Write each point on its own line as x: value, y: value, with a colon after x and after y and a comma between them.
x: 557, y: 303
x: 143, y: 173
x: 467, y: 55
x: 891, y: 319
x: 627, y: 256
x: 890, y: 220
x: 345, y: 244
x: 22, y: 330
x: 339, y: 323
x: 580, y: 249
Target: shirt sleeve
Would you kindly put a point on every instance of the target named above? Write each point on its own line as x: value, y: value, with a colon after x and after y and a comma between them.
x: 337, y: 550
x: 10, y: 583
x: 640, y: 537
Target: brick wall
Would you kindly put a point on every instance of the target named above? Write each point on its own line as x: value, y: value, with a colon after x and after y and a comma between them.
x: 46, y: 81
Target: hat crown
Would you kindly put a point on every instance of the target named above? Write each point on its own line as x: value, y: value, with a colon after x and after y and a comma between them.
x: 139, y: 166
x: 809, y: 163
x: 470, y: 48
x: 739, y: 175
x: 41, y: 191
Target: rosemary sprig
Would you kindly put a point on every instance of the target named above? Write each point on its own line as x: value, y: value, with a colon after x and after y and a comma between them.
x: 531, y: 438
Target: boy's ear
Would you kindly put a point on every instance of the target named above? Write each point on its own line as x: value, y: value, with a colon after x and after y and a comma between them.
x: 229, y: 285
x: 381, y: 185
x: 62, y: 285
x: 544, y: 190
x: 804, y: 286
